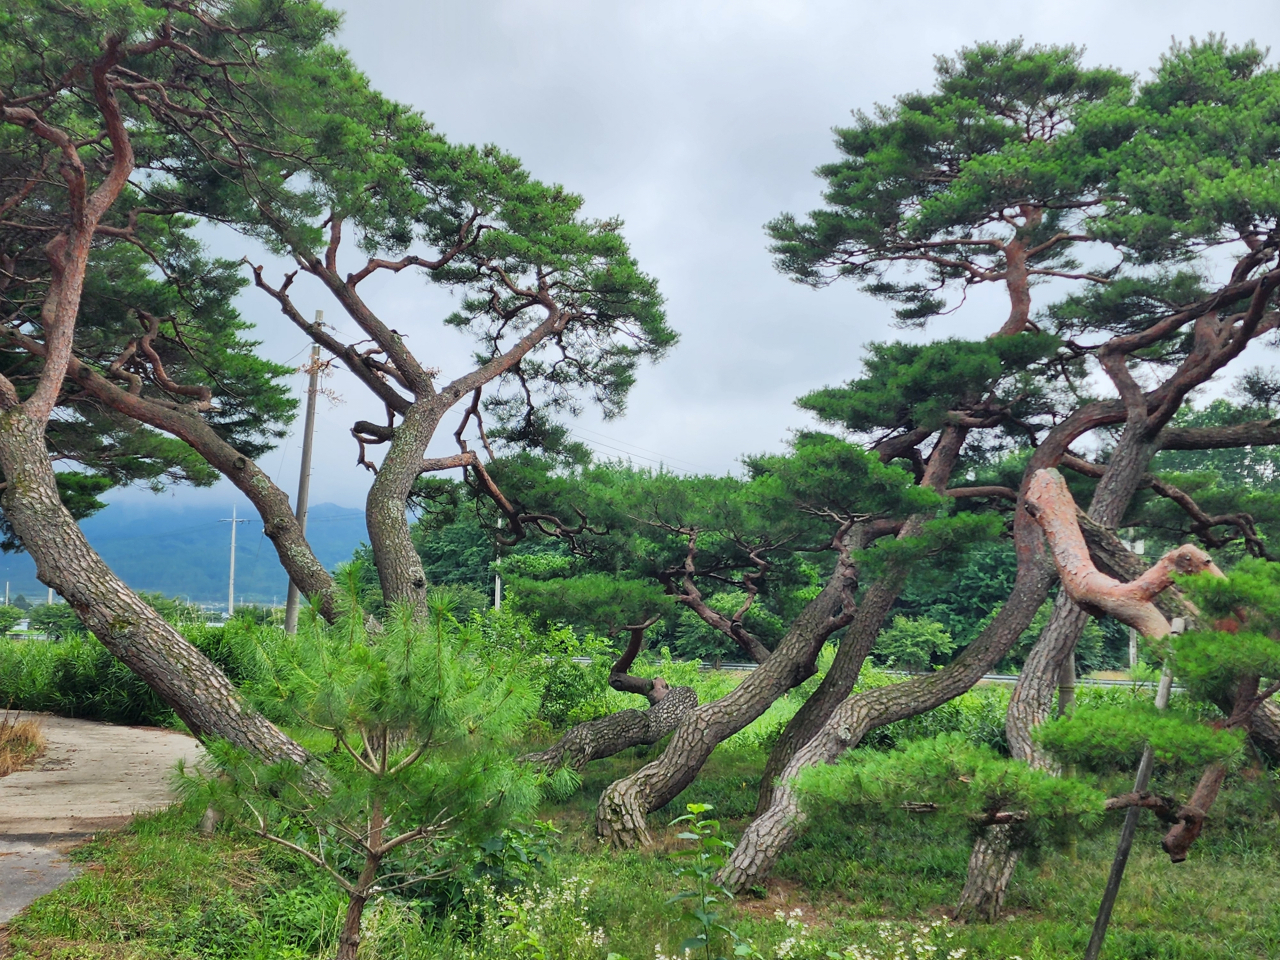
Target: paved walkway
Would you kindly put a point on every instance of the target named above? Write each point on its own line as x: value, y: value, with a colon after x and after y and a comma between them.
x: 92, y: 777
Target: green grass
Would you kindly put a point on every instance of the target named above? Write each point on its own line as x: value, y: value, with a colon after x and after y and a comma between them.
x: 159, y: 890
x: 860, y: 881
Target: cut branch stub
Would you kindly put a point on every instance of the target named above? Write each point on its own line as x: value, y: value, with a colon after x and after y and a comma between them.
x: 1050, y: 502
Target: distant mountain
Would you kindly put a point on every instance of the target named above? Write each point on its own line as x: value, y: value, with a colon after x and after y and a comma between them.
x: 184, y: 551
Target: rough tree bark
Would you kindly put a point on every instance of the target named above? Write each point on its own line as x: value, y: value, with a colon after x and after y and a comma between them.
x: 770, y: 833
x: 606, y: 736
x: 181, y: 675
x: 1131, y: 604
x: 860, y: 636
x: 991, y: 866
x: 272, y: 503
x: 399, y: 567
x: 1050, y: 502
x: 994, y: 858
x: 625, y: 804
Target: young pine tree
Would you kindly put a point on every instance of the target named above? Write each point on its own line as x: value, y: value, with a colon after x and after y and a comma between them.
x: 418, y: 720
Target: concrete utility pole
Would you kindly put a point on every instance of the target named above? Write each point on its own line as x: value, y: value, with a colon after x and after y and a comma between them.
x: 304, y: 477
x: 50, y: 600
x: 497, y: 591
x: 1139, y: 547
x: 231, y: 582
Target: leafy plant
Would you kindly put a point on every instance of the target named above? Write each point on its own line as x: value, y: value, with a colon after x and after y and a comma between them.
x: 913, y: 642
x: 705, y: 858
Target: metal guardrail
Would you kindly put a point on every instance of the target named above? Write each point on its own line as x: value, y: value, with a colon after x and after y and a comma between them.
x: 988, y: 678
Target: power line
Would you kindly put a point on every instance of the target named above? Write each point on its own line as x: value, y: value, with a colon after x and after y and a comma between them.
x: 665, y: 457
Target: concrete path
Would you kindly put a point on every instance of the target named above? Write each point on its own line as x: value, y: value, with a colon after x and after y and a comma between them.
x: 92, y: 777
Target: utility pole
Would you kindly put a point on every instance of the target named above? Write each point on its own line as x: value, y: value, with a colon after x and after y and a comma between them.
x: 1139, y: 547
x: 304, y: 477
x: 497, y: 591
x: 231, y: 582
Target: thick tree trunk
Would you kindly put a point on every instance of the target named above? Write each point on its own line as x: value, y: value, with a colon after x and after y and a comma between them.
x: 399, y: 566
x: 994, y: 858
x: 769, y: 834
x: 606, y: 736
x: 861, y: 634
x: 991, y: 866
x: 624, y: 805
x: 835, y: 687
x: 183, y: 677
x: 1264, y: 729
x: 1032, y: 699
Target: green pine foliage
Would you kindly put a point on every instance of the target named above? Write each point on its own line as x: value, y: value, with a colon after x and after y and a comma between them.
x: 1246, y: 608
x: 913, y: 385
x: 1215, y: 665
x: 1105, y: 736
x: 420, y: 718
x: 954, y: 778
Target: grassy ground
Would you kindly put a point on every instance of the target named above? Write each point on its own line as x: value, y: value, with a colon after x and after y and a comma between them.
x: 857, y: 887
x: 860, y: 886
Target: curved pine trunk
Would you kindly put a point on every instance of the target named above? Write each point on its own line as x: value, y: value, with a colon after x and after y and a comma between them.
x: 772, y: 832
x: 625, y: 804
x: 606, y: 736
x: 835, y: 687
x: 993, y: 860
x: 278, y: 520
x: 199, y: 693
x: 400, y: 570
x: 861, y: 635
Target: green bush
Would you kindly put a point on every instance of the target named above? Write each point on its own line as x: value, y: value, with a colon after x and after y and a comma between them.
x: 572, y: 692
x: 76, y: 677
x: 79, y: 677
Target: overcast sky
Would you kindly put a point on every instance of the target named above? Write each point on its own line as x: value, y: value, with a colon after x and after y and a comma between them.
x: 695, y: 121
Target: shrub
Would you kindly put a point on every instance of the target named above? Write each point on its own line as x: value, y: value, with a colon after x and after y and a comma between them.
x: 419, y: 723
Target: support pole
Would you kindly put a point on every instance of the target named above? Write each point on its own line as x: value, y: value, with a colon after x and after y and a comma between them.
x: 1130, y: 819
x: 304, y: 477
x: 497, y: 591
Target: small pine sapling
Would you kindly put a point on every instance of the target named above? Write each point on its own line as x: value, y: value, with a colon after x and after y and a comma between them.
x: 418, y: 721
